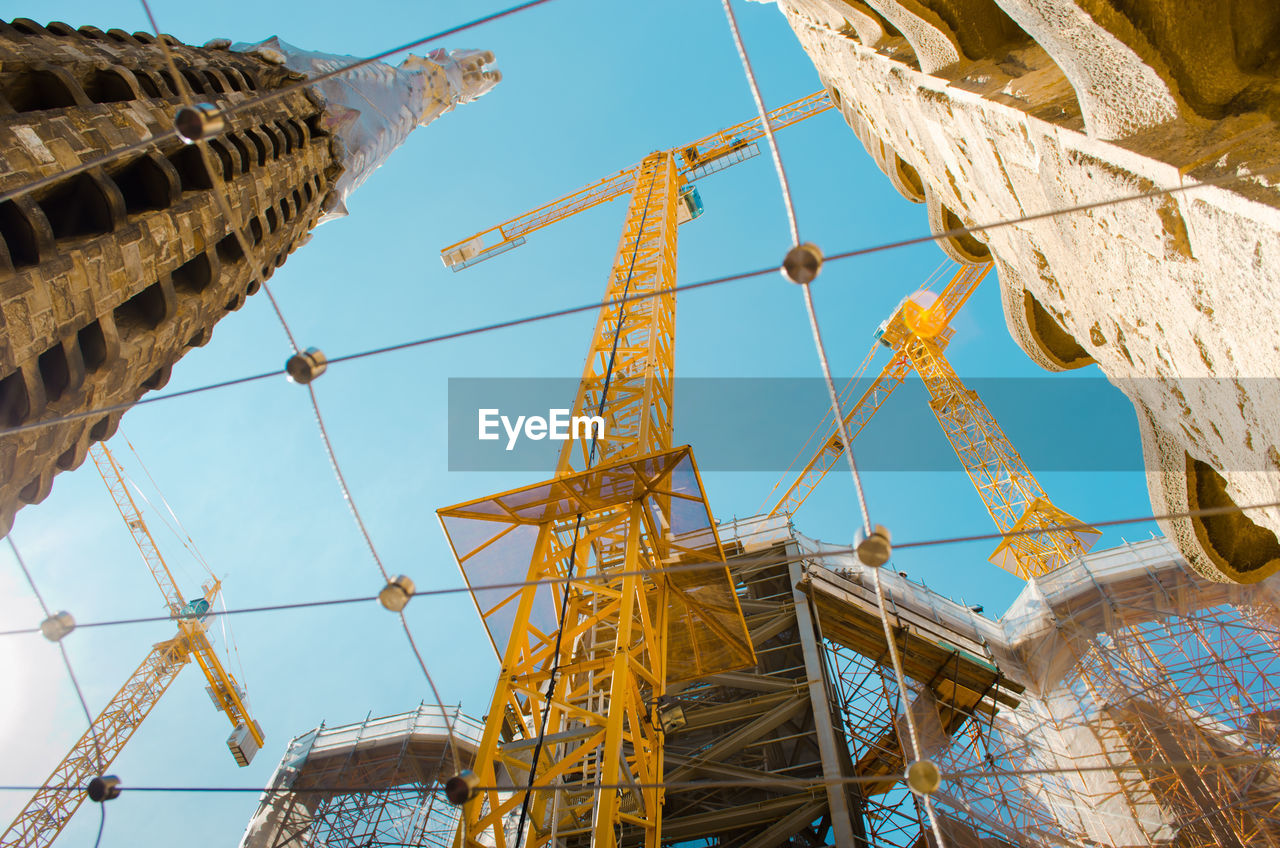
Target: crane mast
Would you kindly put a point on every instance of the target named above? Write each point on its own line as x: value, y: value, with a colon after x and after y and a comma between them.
x: 1042, y: 536
x: 49, y: 810
x: 1045, y: 537
x: 630, y: 366
x: 578, y: 715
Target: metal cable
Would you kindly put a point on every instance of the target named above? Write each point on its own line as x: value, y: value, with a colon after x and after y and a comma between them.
x: 837, y: 411
x: 783, y: 183
x: 775, y: 782
x: 266, y: 97
x: 501, y: 325
x: 250, y: 250
x: 430, y: 340
x: 1207, y: 182
x: 791, y: 215
x: 785, y: 187
x: 577, y: 526
x: 671, y: 569
x: 66, y: 660
x: 904, y: 698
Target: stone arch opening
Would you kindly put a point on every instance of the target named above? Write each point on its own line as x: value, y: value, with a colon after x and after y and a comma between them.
x: 107, y: 85
x: 55, y: 372
x: 191, y: 168
x: 93, y: 346
x: 19, y: 235
x: 145, y: 186
x: 144, y: 311
x: 15, y: 403
x: 1231, y: 538
x: 38, y: 90
x: 78, y: 207
x: 195, y: 276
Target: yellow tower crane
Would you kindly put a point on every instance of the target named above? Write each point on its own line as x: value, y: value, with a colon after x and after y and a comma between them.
x: 918, y: 333
x: 626, y: 587
x: 49, y: 810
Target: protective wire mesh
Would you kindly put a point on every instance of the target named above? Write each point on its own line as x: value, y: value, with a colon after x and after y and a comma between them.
x: 1156, y: 666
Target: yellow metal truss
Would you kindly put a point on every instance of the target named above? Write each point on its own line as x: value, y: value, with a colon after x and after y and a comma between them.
x: 1012, y: 495
x: 47, y: 813
x: 627, y: 379
x: 52, y: 806
x: 693, y: 160
x: 645, y: 598
x: 918, y: 333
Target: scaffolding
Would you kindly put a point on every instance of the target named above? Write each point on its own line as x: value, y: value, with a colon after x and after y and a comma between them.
x: 1122, y: 700
x: 372, y: 784
x: 1144, y: 706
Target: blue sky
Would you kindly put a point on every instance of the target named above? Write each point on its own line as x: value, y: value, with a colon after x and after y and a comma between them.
x: 589, y: 88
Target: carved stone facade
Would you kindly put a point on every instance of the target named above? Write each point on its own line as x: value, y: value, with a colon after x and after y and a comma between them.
x: 109, y: 276
x: 991, y: 110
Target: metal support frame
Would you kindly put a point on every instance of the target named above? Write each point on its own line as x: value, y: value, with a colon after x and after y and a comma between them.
x: 832, y: 759
x: 370, y: 785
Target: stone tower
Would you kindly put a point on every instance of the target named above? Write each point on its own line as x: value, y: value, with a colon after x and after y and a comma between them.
x: 109, y: 275
x: 992, y: 110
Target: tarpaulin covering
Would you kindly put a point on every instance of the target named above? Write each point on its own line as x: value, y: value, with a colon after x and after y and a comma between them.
x: 496, y: 540
x: 372, y: 109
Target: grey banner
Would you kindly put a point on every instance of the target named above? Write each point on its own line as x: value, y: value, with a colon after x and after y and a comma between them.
x: 1056, y: 423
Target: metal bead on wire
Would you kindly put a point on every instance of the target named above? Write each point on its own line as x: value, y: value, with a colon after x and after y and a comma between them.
x: 396, y: 594
x: 923, y: 777
x: 461, y: 787
x: 802, y: 263
x: 305, y: 366
x: 104, y: 788
x: 199, y: 122
x: 874, y: 548
x: 57, y: 626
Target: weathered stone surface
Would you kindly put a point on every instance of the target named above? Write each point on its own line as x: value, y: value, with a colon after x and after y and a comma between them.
x: 108, y: 277
x: 1085, y: 101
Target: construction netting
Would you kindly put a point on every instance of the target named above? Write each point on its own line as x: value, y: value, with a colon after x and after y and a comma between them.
x: 535, y: 533
x: 377, y: 777
x: 370, y: 110
x: 1150, y: 711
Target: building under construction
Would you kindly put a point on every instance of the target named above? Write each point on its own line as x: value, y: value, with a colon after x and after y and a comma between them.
x: 1122, y: 700
x: 692, y: 682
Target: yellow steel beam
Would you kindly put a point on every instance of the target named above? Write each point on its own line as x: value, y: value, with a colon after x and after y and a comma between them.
x: 49, y: 810
x: 220, y: 680
x: 691, y: 159
x: 630, y: 365
x: 700, y: 153
x: 113, y: 477
x: 913, y: 317
x: 578, y: 707
x: 918, y: 332
x: 862, y: 411
x: 1007, y: 487
x: 51, y: 807
x: 574, y: 712
x: 627, y: 380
